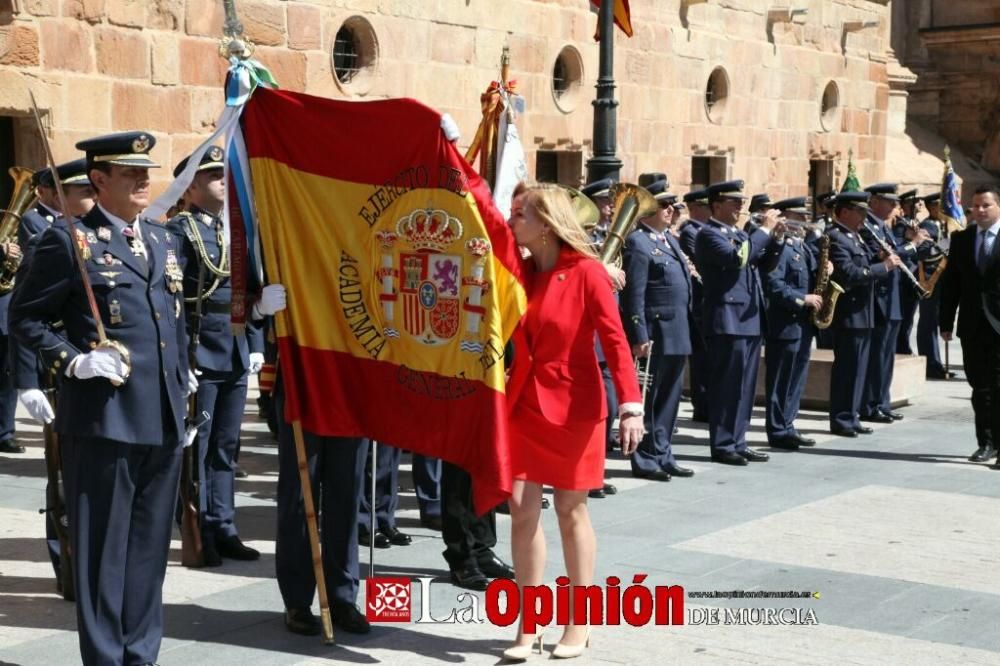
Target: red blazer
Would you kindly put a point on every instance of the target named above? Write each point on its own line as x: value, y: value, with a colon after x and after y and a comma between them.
x: 555, y: 365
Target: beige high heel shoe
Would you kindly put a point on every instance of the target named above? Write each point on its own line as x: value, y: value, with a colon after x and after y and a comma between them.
x: 564, y: 651
x: 523, y: 651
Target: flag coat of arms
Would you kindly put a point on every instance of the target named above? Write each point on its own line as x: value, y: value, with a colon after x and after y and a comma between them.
x: 402, y: 277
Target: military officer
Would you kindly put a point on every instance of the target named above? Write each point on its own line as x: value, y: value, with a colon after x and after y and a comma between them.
x: 224, y: 360
x: 698, y: 215
x: 931, y: 263
x: 120, y: 416
x: 876, y: 404
x: 824, y: 337
x: 655, y: 305
x: 788, y: 288
x: 759, y: 204
x: 727, y: 260
x: 857, y: 269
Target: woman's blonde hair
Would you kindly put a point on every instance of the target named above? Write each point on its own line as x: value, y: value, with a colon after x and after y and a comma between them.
x: 551, y: 203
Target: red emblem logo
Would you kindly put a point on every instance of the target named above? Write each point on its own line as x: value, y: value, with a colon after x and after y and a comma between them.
x: 387, y: 599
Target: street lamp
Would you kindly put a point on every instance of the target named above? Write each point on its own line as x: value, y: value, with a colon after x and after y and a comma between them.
x: 604, y: 163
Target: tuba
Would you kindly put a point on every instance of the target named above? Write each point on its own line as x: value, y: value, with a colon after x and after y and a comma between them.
x: 586, y: 211
x: 826, y: 288
x: 20, y: 201
x: 630, y: 203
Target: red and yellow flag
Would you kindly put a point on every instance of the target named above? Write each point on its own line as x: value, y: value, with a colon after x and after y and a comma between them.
x: 402, y: 277
x: 623, y: 17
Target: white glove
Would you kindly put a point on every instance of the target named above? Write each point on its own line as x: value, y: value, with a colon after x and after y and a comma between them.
x: 102, y: 362
x: 37, y: 405
x: 272, y: 300
x: 450, y: 127
x: 192, y: 384
x: 189, y: 436
x: 256, y: 362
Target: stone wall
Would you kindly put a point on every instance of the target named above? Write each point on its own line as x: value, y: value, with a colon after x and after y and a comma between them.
x: 105, y: 65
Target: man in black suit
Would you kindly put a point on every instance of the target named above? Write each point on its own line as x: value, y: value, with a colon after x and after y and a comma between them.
x: 971, y: 285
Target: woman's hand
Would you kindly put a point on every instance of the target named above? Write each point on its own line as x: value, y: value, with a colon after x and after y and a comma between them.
x: 617, y: 276
x: 630, y: 432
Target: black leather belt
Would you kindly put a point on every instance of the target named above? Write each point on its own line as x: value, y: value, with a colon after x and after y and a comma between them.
x: 210, y: 307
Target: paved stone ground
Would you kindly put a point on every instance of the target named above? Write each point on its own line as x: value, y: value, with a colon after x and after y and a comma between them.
x: 896, y: 531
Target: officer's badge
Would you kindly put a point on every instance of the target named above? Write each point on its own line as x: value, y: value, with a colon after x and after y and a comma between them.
x: 796, y: 257
x: 110, y: 274
x: 656, y: 252
x: 141, y: 144
x: 109, y: 260
x: 81, y: 241
x: 215, y: 154
x: 115, y: 312
x: 173, y: 273
x: 91, y: 237
x: 104, y: 233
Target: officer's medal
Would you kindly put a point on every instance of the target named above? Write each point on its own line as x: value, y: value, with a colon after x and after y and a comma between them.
x: 174, y: 275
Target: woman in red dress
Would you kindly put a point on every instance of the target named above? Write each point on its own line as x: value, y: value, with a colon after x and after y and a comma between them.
x: 556, y: 395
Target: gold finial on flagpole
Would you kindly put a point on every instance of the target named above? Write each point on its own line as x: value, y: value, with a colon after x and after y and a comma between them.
x: 233, y: 44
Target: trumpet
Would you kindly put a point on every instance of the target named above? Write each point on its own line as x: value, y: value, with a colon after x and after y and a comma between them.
x: 643, y: 372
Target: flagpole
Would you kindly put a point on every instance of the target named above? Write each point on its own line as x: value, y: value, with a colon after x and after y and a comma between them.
x: 233, y: 44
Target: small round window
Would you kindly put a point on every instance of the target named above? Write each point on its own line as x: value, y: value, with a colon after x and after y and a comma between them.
x: 354, y: 56
x: 716, y: 95
x: 829, y: 114
x: 567, y: 77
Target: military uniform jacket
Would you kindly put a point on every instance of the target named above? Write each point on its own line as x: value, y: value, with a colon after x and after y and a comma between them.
x: 218, y: 349
x: 785, y: 288
x: 857, y: 270
x: 727, y: 258
x: 142, y: 311
x: 34, y: 221
x: 688, y: 234
x: 887, y: 303
x: 657, y: 297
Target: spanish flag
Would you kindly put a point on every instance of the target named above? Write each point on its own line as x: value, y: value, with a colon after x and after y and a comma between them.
x: 402, y: 277
x: 623, y: 17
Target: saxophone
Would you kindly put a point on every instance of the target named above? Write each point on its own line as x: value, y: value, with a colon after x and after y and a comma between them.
x: 826, y: 288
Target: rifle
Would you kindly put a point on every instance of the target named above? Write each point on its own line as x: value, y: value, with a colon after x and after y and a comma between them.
x: 192, y: 554
x: 55, y: 504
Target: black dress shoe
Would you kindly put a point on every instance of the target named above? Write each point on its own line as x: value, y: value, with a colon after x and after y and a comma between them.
x: 381, y: 540
x: 210, y: 556
x: 471, y: 578
x: 940, y: 374
x: 754, y: 456
x: 863, y: 430
x: 729, y: 458
x: 877, y: 417
x: 546, y: 503
x: 654, y: 475
x: 596, y: 493
x: 235, y: 549
x: 349, y: 618
x: 787, y: 443
x: 609, y: 489
x: 240, y: 473
x: 803, y: 441
x: 842, y: 432
x: 10, y: 446
x: 503, y: 509
x: 302, y: 621
x: 494, y: 567
x: 674, y: 470
x: 432, y: 522
x: 895, y: 416
x: 699, y: 417
x: 983, y: 454
x: 396, y: 538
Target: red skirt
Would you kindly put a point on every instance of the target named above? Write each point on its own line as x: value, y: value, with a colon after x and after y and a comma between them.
x: 569, y: 457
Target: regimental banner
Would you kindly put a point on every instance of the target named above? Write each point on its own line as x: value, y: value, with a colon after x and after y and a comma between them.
x: 403, y: 279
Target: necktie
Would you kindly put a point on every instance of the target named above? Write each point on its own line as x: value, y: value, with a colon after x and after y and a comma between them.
x: 983, y: 256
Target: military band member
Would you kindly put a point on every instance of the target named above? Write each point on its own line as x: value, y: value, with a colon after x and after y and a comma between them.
x: 727, y: 260
x: 759, y: 204
x: 876, y: 403
x: 857, y: 269
x: 224, y: 360
x: 824, y: 337
x: 655, y: 305
x: 120, y: 421
x: 788, y: 287
x: 932, y: 260
x: 698, y: 215
x: 902, y: 229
